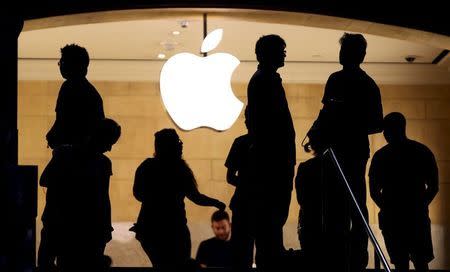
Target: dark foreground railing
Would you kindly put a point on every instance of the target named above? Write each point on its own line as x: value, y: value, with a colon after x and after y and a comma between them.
x: 141, y: 269
x: 374, y: 241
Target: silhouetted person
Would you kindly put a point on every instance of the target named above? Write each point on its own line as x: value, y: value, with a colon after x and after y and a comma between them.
x: 321, y: 226
x: 273, y: 153
x: 216, y: 251
x: 351, y: 111
x: 161, y: 184
x: 403, y: 182
x: 3, y: 228
x: 77, y: 229
x: 79, y: 105
x: 16, y: 222
x: 242, y: 229
x: 96, y: 195
x: 5, y: 202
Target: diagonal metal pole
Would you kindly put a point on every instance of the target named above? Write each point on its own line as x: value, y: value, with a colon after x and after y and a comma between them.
x: 374, y: 241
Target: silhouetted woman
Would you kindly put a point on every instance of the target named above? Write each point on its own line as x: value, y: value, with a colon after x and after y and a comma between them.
x: 161, y: 184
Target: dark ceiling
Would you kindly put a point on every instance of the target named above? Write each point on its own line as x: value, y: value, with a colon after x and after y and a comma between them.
x: 429, y: 16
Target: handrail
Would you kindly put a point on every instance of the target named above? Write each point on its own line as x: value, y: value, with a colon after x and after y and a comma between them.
x: 366, y: 224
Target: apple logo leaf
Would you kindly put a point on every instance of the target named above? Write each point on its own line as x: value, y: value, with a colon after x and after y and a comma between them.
x: 212, y: 40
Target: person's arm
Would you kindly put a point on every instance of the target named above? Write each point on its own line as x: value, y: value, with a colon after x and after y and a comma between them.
x: 106, y: 173
x: 99, y: 111
x: 299, y: 183
x: 232, y: 177
x: 201, y: 255
x: 432, y: 181
x: 53, y: 136
x: 139, y: 183
x: 374, y: 182
x: 260, y: 108
x: 375, y: 114
x: 253, y: 107
x: 232, y: 162
x: 62, y: 100
x: 330, y: 104
x: 48, y: 173
x: 200, y: 199
x: 192, y: 193
x: 204, y: 200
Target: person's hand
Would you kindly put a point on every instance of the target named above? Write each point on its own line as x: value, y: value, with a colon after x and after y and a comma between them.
x: 220, y: 205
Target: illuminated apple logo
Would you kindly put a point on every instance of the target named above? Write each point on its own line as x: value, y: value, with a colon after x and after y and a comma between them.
x: 196, y: 91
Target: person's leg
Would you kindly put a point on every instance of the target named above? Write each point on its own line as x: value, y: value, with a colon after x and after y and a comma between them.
x: 268, y: 235
x: 402, y: 266
x: 421, y: 243
x: 180, y: 249
x: 261, y: 245
x: 355, y: 174
x: 335, y: 221
x: 241, y: 239
x: 105, y: 261
x: 358, y: 241
x: 91, y: 258
x: 97, y: 258
x: 283, y: 212
x: 396, y: 244
x: 46, y: 252
x: 271, y: 217
x: 167, y: 248
x: 421, y: 266
x: 70, y: 262
x: 76, y: 253
x: 152, y: 253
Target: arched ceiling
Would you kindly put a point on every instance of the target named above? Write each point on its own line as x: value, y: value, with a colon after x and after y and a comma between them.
x: 131, y: 40
x: 265, y: 16
x: 429, y: 16
x: 424, y: 25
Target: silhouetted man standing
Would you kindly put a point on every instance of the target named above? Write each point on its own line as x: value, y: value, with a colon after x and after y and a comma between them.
x: 79, y: 106
x: 273, y: 153
x: 403, y: 182
x: 351, y: 111
x: 15, y: 243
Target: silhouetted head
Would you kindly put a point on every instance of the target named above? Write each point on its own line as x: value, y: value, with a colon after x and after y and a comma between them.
x: 270, y: 51
x: 167, y: 144
x: 74, y: 61
x: 394, y: 128
x: 220, y: 224
x: 106, y: 133
x: 353, y: 49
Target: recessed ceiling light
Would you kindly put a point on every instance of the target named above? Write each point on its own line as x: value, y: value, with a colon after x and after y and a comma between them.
x: 176, y: 32
x: 169, y: 45
x: 161, y: 56
x: 184, y: 23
